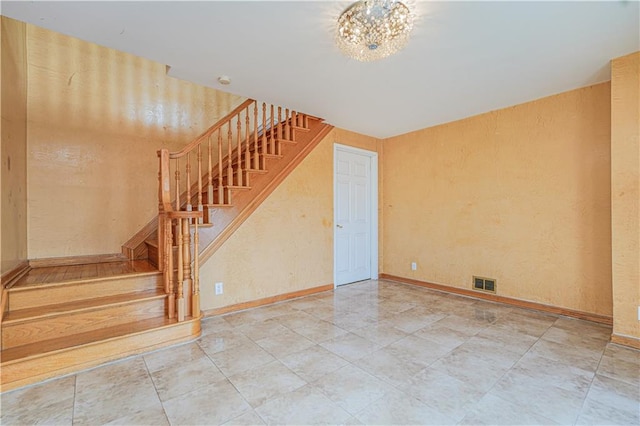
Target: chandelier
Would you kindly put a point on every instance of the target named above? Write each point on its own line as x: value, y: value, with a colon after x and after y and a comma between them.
x: 374, y: 29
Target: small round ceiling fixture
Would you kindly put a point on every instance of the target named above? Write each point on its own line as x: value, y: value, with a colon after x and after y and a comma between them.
x: 224, y: 79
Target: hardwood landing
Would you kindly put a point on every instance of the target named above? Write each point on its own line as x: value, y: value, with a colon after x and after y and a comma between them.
x: 67, y: 273
x: 61, y: 319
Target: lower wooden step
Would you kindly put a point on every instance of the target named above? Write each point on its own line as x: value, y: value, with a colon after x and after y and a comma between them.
x: 27, y: 364
x: 82, y: 289
x: 33, y: 325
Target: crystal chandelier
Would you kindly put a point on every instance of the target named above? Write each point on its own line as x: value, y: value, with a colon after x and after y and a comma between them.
x: 374, y: 29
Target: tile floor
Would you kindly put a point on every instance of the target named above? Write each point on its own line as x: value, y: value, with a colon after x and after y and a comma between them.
x: 373, y: 352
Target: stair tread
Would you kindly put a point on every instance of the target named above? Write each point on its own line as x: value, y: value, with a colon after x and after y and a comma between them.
x: 94, y: 336
x: 80, y: 305
x: 237, y: 187
x: 218, y: 205
x: 69, y: 274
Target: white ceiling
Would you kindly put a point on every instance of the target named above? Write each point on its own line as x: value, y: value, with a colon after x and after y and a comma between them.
x: 464, y: 58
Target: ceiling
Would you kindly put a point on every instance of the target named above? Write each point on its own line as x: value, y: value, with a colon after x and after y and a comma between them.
x: 464, y: 58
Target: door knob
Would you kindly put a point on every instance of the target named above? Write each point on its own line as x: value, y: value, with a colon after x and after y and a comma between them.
x: 339, y: 226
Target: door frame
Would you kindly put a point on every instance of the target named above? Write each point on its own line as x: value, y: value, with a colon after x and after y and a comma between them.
x: 373, y: 186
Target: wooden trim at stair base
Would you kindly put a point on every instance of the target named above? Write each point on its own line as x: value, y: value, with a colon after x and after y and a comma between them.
x: 134, y: 248
x: 266, y: 191
x: 602, y: 319
x: 72, y: 360
x: 14, y: 273
x: 267, y: 300
x: 76, y: 260
x: 632, y: 342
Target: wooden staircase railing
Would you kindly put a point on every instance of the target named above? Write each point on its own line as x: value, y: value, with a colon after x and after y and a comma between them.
x: 200, y: 177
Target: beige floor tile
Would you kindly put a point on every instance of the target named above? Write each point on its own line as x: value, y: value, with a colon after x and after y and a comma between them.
x: 171, y: 357
x: 619, y: 369
x: 536, y: 396
x: 396, y: 307
x: 211, y: 405
x: 567, y: 354
x: 323, y: 311
x: 448, y: 395
x: 113, y: 392
x: 241, y: 358
x: 184, y: 377
x: 321, y: 331
x: 352, y: 388
x: 444, y: 336
x: 413, y: 349
x: 297, y: 319
x: 260, y: 384
x: 398, y: 408
x: 584, y: 328
x: 470, y: 367
x: 412, y: 321
x: 303, y: 406
x: 44, y: 403
x: 544, y: 371
x: 382, y: 335
x: 384, y: 365
x: 215, y: 325
x: 313, y: 363
x: 461, y: 324
x: 508, y: 339
x: 350, y: 346
x: 285, y: 343
x: 599, y: 413
x: 615, y: 393
x: 258, y: 330
x: 582, y: 342
x: 623, y: 353
x: 491, y: 410
x: 248, y: 418
x: 153, y: 417
x: 351, y: 321
x: 223, y: 340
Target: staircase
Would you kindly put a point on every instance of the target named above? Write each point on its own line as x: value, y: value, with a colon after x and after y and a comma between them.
x: 63, y: 317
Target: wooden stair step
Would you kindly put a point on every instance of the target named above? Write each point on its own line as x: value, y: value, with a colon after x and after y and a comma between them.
x: 48, y: 311
x: 61, y: 324
x: 30, y: 363
x: 51, y: 293
x: 54, y: 345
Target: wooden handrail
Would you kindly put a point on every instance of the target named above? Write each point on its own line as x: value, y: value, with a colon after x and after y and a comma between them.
x: 198, y: 140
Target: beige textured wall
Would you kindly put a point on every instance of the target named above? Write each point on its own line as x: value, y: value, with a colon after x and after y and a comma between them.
x: 286, y: 245
x: 625, y: 193
x: 520, y: 194
x: 96, y: 117
x: 14, y: 145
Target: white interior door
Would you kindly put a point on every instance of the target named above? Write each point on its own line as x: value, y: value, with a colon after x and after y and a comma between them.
x: 354, y: 215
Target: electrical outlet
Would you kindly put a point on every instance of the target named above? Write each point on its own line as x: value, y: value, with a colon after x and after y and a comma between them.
x: 414, y: 266
x: 638, y: 313
x: 219, y: 289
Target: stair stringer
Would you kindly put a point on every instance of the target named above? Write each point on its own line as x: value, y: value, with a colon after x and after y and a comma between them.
x: 226, y: 220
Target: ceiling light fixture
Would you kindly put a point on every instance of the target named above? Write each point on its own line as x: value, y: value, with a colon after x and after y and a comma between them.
x: 374, y: 29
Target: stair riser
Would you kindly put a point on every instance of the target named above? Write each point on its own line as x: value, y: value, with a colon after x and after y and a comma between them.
x: 31, y: 297
x: 31, y: 370
x: 47, y: 328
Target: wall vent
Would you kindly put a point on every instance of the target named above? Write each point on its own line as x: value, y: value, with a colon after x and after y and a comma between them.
x: 484, y: 284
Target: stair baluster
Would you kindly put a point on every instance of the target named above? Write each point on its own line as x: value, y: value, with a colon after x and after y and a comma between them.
x: 256, y: 153
x: 264, y: 128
